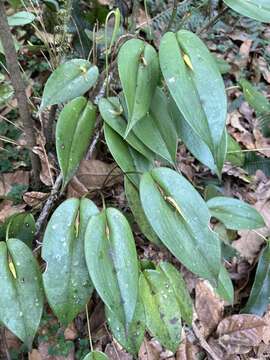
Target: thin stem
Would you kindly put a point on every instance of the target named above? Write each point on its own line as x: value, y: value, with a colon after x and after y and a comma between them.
x: 248, y: 150
x: 19, y: 87
x: 174, y: 12
x: 88, y: 328
x: 135, y: 9
x: 48, y: 128
x: 213, y: 20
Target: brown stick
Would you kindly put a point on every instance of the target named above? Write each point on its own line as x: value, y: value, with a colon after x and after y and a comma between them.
x: 19, y: 87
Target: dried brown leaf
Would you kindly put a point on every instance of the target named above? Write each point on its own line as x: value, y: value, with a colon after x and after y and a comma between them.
x: 93, y: 175
x: 150, y: 350
x: 7, y: 180
x: 209, y: 307
x: 239, y: 333
x: 35, y: 198
x: 114, y: 352
x: 7, y: 209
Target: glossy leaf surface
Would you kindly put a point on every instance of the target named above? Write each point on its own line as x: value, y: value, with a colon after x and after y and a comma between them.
x: 180, y: 218
x: 112, y: 113
x: 135, y: 205
x: 21, y: 300
x: 66, y: 280
x: 255, y: 9
x: 131, y: 162
x: 131, y: 340
x: 111, y: 259
x: 259, y: 297
x: 21, y: 18
x: 197, y: 87
x: 225, y: 287
x: 68, y: 81
x: 235, y: 214
x: 176, y: 282
x: 96, y: 355
x: 139, y: 71
x: 73, y: 132
x: 162, y: 311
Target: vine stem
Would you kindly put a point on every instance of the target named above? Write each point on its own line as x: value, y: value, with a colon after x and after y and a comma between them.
x: 19, y: 88
x: 89, y: 328
x: 174, y: 12
x: 213, y: 20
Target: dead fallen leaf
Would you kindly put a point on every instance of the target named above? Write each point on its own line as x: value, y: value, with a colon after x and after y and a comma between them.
x: 187, y: 350
x: 264, y: 68
x: 114, y: 352
x: 237, y: 334
x: 266, y: 332
x: 34, y: 355
x: 250, y: 242
x: 7, y: 180
x: 209, y: 307
x: 35, y: 198
x: 150, y: 350
x: 261, y: 143
x: 7, y: 209
x: 43, y: 349
x: 71, y: 332
x: 93, y: 175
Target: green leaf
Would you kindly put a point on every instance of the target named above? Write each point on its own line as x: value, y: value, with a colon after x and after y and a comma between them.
x: 195, y: 145
x: 259, y: 103
x: 254, y: 162
x: 180, y: 217
x: 112, y: 113
x: 131, y: 162
x: 21, y: 300
x: 255, y: 9
x: 196, y: 85
x: 225, y: 287
x: 74, y: 129
x: 235, y: 214
x: 260, y: 293
x: 147, y: 131
x: 111, y: 259
x: 23, y: 227
x: 135, y: 205
x: 131, y: 340
x: 234, y: 152
x: 164, y: 122
x: 162, y: 311
x: 66, y: 279
x: 177, y: 283
x: 139, y: 72
x: 96, y: 355
x: 21, y: 18
x: 68, y: 81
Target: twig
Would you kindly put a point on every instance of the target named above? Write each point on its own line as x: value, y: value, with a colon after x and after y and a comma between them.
x: 213, y: 20
x: 135, y: 9
x: 174, y: 12
x: 48, y: 128
x: 4, y: 342
x: 19, y: 87
x: 203, y: 342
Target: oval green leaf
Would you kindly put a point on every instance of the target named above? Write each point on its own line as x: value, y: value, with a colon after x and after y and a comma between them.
x: 180, y: 217
x: 74, y: 129
x: 260, y: 293
x: 139, y: 72
x: 111, y: 259
x: 21, y: 300
x: 162, y: 311
x: 131, y: 340
x: 66, y: 279
x: 196, y: 85
x: 177, y: 284
x: 112, y: 113
x: 96, y: 355
x: 235, y: 214
x: 225, y: 286
x: 131, y: 162
x: 134, y: 201
x: 68, y: 81
x: 255, y: 9
x: 21, y: 18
